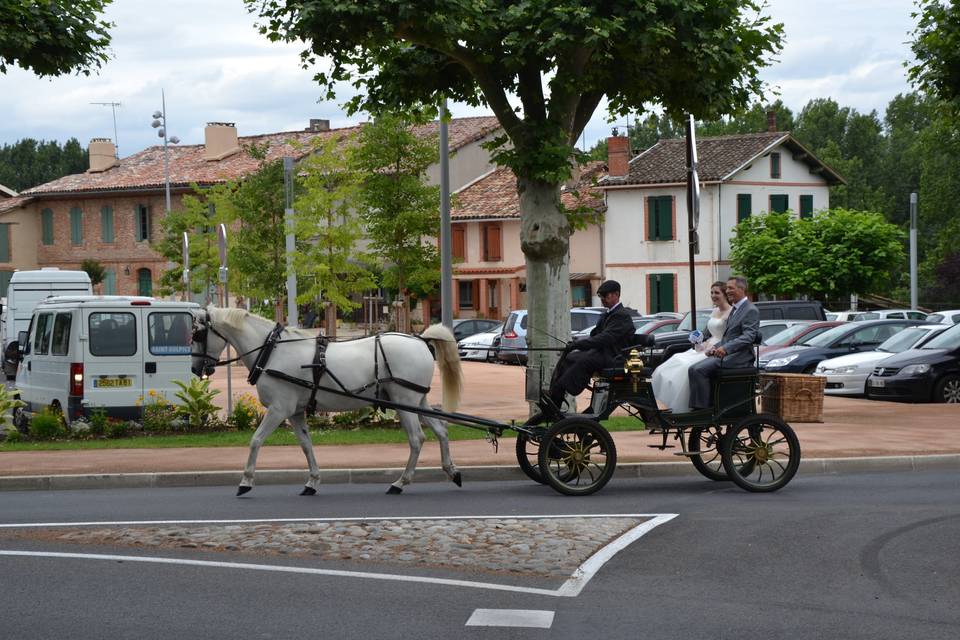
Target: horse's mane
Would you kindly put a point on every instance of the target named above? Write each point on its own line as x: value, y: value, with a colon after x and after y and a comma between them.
x: 235, y: 318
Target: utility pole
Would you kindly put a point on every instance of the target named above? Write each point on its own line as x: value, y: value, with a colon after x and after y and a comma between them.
x: 913, y: 251
x: 113, y: 107
x: 446, y: 235
x: 291, y: 245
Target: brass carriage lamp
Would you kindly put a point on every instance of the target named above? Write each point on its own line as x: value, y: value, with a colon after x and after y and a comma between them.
x: 634, y: 366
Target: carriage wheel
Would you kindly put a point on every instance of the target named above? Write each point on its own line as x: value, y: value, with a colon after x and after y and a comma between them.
x: 528, y: 452
x: 761, y: 453
x: 710, y: 462
x: 577, y: 456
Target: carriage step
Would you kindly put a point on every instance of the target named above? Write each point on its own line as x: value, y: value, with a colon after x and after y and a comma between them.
x: 690, y: 454
x: 662, y: 446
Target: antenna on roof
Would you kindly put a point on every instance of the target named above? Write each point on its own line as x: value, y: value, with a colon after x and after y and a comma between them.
x: 113, y: 107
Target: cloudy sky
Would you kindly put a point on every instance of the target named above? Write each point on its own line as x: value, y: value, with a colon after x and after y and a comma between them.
x: 214, y: 66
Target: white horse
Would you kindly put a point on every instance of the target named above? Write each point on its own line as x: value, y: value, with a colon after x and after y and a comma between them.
x: 401, y: 363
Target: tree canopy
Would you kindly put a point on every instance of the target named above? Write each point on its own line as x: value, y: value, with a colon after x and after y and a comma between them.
x: 53, y: 37
x: 936, y: 46
x: 28, y: 162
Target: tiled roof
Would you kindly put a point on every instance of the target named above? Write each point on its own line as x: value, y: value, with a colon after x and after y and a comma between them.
x: 495, y: 195
x: 144, y: 170
x: 717, y: 158
x: 9, y: 204
x: 6, y: 192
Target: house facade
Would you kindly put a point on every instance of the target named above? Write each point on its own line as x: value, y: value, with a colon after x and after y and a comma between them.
x: 646, y: 239
x: 112, y: 212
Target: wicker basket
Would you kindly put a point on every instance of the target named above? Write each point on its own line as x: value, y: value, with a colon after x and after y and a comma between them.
x: 794, y: 397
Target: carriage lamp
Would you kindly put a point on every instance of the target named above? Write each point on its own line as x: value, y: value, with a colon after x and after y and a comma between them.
x: 634, y: 363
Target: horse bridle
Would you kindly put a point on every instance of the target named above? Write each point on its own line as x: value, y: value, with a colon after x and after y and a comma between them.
x: 200, y: 332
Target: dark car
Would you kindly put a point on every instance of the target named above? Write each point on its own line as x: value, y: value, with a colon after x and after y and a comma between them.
x: 849, y: 337
x: 928, y: 374
x: 790, y: 310
x: 796, y: 334
x: 471, y: 326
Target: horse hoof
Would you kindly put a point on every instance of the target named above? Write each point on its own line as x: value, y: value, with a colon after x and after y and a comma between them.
x: 242, y: 490
x: 457, y: 479
x: 394, y: 490
x: 308, y: 491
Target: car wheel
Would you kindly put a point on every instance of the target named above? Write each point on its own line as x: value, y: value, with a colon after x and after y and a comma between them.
x: 947, y: 390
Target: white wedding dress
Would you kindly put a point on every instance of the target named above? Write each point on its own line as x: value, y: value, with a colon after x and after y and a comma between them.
x: 671, y: 386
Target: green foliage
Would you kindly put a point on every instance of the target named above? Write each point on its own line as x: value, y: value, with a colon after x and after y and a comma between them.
x: 247, y: 413
x: 98, y: 421
x: 198, y: 216
x: 831, y: 255
x: 47, y: 425
x: 53, y: 37
x: 9, y: 401
x: 28, y: 162
x: 118, y: 429
x: 159, y: 414
x: 197, y: 401
x: 936, y: 47
x: 11, y: 436
x: 95, y: 270
x: 361, y: 419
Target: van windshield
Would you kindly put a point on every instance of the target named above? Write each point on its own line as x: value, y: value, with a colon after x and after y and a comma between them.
x: 170, y: 333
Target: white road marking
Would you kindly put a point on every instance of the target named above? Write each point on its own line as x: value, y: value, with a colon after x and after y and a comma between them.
x: 529, y: 618
x: 569, y: 589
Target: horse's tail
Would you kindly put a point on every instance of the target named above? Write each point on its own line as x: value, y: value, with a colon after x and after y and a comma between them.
x: 448, y: 359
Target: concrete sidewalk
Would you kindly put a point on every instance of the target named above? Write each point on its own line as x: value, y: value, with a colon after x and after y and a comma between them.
x: 856, y: 434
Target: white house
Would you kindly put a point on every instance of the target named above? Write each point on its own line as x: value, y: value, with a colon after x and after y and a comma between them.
x: 645, y: 231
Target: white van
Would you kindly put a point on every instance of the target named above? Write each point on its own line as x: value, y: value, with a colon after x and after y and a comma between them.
x: 85, y: 353
x: 26, y: 289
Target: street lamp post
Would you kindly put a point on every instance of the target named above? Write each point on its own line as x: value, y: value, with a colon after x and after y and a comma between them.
x: 160, y: 124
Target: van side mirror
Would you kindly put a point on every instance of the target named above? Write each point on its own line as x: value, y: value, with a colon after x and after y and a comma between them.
x: 23, y: 343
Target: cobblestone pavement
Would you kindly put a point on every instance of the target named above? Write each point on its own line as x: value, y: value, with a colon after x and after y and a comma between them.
x: 547, y: 547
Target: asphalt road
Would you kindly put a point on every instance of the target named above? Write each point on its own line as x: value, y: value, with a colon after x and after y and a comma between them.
x: 858, y: 556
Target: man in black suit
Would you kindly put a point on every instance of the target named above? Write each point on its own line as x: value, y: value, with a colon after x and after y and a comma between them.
x: 614, y: 332
x: 735, y: 350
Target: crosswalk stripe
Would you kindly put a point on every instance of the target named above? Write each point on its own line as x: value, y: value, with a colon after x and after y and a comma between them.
x: 527, y: 618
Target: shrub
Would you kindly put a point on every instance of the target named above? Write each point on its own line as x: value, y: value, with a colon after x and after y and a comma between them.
x: 9, y: 402
x: 12, y: 435
x: 159, y: 415
x: 365, y: 418
x: 197, y: 398
x: 118, y: 429
x: 247, y: 412
x: 47, y: 425
x: 98, y: 421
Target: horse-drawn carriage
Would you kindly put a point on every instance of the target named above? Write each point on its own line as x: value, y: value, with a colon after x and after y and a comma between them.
x: 572, y: 453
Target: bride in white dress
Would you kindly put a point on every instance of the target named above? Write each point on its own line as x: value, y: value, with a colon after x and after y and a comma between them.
x: 671, y: 386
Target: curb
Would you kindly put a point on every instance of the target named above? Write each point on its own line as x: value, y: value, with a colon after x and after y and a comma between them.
x: 816, y: 466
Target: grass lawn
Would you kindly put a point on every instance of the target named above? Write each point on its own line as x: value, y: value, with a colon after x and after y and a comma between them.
x: 282, y: 436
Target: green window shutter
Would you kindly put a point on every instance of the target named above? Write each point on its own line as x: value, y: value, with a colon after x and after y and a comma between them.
x: 779, y: 203
x: 744, y: 207
x: 144, y: 282
x: 806, y: 206
x: 774, y: 165
x: 4, y: 243
x: 149, y: 230
x: 109, y: 282
x: 76, y: 225
x: 660, y: 224
x: 138, y: 234
x: 106, y: 224
x: 651, y: 218
x: 46, y: 221
x: 661, y: 292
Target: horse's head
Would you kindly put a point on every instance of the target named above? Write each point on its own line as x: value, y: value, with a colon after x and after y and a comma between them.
x: 208, y: 344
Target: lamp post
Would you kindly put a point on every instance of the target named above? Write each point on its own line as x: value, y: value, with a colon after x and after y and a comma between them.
x: 160, y: 124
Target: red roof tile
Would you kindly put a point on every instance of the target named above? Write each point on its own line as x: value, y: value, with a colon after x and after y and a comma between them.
x: 9, y: 204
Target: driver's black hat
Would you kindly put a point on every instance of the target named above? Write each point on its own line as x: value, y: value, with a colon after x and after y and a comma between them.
x: 610, y: 286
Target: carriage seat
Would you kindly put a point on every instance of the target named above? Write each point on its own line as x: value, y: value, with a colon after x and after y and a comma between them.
x: 738, y: 372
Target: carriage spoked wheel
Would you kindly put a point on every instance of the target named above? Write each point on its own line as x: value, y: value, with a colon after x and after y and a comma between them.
x: 577, y: 456
x: 760, y: 453
x: 710, y: 462
x: 528, y: 453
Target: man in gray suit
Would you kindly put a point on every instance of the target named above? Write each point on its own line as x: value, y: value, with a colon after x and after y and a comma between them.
x: 735, y: 350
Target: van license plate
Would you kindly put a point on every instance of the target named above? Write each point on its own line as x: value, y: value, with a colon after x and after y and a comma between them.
x: 875, y: 382
x: 112, y: 382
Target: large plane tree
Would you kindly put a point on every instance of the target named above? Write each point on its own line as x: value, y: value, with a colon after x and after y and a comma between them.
x: 543, y: 67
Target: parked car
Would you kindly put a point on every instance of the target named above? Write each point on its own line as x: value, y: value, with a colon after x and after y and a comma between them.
x: 847, y: 338
x: 480, y: 346
x: 470, y: 326
x: 928, y: 374
x: 770, y: 328
x: 797, y: 334
x: 790, y: 310
x: 655, y: 326
x: 945, y: 317
x: 890, y: 314
x: 847, y: 375
x: 842, y: 316
x: 670, y: 342
x: 513, y: 340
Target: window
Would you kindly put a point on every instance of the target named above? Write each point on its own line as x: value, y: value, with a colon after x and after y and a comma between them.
x: 5, y: 242
x: 61, y: 334
x: 144, y: 282
x: 774, y: 165
x: 113, y: 334
x: 142, y: 223
x: 580, y: 292
x: 170, y: 333
x: 41, y: 340
x: 109, y: 282
x: 806, y: 206
x: 661, y: 292
x: 779, y: 203
x: 106, y: 224
x: 459, y: 242
x: 76, y: 225
x: 46, y: 222
x: 465, y: 294
x: 660, y: 218
x: 492, y: 242
x: 744, y: 206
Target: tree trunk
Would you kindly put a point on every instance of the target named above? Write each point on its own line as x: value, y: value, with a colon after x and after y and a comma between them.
x: 545, y: 240
x: 330, y: 319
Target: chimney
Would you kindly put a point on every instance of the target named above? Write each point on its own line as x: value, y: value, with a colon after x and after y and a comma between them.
x: 316, y: 124
x: 771, y: 121
x: 618, y: 156
x: 220, y: 140
x: 103, y: 155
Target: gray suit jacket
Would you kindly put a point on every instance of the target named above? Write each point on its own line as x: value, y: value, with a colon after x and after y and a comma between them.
x: 743, y: 326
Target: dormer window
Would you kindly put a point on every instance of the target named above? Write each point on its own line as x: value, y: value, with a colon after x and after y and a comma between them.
x: 774, y: 165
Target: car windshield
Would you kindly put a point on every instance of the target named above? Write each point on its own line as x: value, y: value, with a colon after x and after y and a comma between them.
x: 786, y: 336
x: 949, y: 339
x: 903, y: 340
x: 703, y: 315
x: 935, y: 317
x: 827, y: 337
